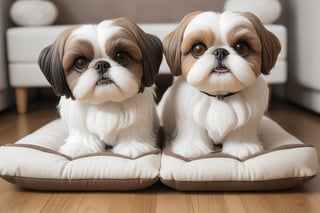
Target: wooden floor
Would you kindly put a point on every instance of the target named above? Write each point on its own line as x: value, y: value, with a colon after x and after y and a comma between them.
x: 159, y: 198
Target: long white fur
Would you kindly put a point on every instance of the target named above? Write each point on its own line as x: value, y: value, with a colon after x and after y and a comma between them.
x: 128, y: 126
x: 115, y: 114
x: 194, y: 121
x: 219, y: 24
x: 86, y: 88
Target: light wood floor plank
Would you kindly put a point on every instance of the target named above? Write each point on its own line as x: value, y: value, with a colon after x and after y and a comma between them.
x: 234, y: 203
x: 13, y: 199
x: 96, y: 202
x: 63, y: 202
x: 262, y: 203
x: 172, y: 202
x: 301, y: 202
x: 215, y: 202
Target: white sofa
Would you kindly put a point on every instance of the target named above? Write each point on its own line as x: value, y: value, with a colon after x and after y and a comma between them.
x: 25, y: 43
x: 5, y: 92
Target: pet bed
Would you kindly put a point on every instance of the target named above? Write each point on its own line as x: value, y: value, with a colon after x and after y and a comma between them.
x: 34, y: 163
x: 286, y: 162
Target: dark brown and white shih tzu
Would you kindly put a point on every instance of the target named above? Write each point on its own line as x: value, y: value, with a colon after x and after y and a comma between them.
x: 105, y: 75
x: 219, y: 95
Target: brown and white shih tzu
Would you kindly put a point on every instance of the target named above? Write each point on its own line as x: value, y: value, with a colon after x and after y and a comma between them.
x: 219, y: 95
x: 105, y: 74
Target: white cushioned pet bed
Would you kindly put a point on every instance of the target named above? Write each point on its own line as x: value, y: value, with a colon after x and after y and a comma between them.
x: 34, y: 163
x: 285, y: 163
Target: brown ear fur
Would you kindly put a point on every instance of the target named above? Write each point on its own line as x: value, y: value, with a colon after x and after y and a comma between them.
x: 172, y: 44
x: 151, y: 48
x: 50, y: 62
x: 270, y: 44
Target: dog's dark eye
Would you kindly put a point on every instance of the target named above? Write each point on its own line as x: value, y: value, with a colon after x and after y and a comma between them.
x: 80, y: 63
x: 122, y: 58
x: 198, y: 50
x: 241, y: 48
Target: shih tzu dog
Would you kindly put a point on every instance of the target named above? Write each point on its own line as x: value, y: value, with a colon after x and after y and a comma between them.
x: 219, y: 95
x: 105, y: 74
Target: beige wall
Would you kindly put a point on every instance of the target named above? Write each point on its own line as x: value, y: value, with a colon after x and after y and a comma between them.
x: 93, y: 11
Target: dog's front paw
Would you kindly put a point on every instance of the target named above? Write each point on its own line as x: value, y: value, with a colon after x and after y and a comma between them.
x: 77, y: 149
x: 132, y: 149
x: 193, y: 152
x: 72, y: 150
x: 241, y: 150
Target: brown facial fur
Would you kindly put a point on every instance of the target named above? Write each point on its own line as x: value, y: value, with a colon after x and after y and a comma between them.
x: 151, y: 48
x: 250, y: 37
x: 172, y: 44
x: 50, y: 62
x: 187, y: 60
x: 74, y: 49
x: 262, y: 42
x: 269, y: 42
x: 202, y: 36
x: 56, y: 60
x: 124, y: 41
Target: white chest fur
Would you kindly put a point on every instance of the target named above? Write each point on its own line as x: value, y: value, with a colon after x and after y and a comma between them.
x: 216, y: 118
x: 111, y: 120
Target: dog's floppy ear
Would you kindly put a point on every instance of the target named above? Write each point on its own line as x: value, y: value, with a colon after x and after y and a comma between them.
x: 151, y: 48
x: 152, y: 52
x: 270, y: 44
x: 50, y: 62
x: 172, y: 44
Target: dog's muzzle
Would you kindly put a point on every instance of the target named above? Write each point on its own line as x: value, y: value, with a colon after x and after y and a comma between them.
x: 102, y: 68
x: 220, y: 54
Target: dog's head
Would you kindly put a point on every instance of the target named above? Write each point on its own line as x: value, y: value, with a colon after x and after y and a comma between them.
x: 111, y: 61
x: 221, y: 53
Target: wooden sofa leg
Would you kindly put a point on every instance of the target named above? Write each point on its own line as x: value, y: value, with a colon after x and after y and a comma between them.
x: 21, y: 99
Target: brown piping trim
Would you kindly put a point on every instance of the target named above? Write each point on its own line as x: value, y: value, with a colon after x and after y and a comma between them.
x: 107, y: 153
x: 223, y: 155
x: 81, y: 184
x: 261, y: 185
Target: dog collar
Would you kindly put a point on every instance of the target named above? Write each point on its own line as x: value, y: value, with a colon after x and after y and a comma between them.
x: 220, y: 97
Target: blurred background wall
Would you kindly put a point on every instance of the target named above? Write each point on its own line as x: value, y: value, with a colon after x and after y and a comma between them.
x: 93, y: 11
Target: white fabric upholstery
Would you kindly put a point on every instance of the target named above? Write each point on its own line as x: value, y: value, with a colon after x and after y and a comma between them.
x: 284, y: 161
x: 55, y: 165
x: 267, y: 10
x: 39, y: 159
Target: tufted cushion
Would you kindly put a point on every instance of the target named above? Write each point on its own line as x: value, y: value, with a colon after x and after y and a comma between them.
x: 34, y: 163
x: 286, y: 162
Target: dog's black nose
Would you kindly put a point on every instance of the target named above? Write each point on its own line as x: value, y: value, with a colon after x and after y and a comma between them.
x: 220, y: 53
x: 102, y: 67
